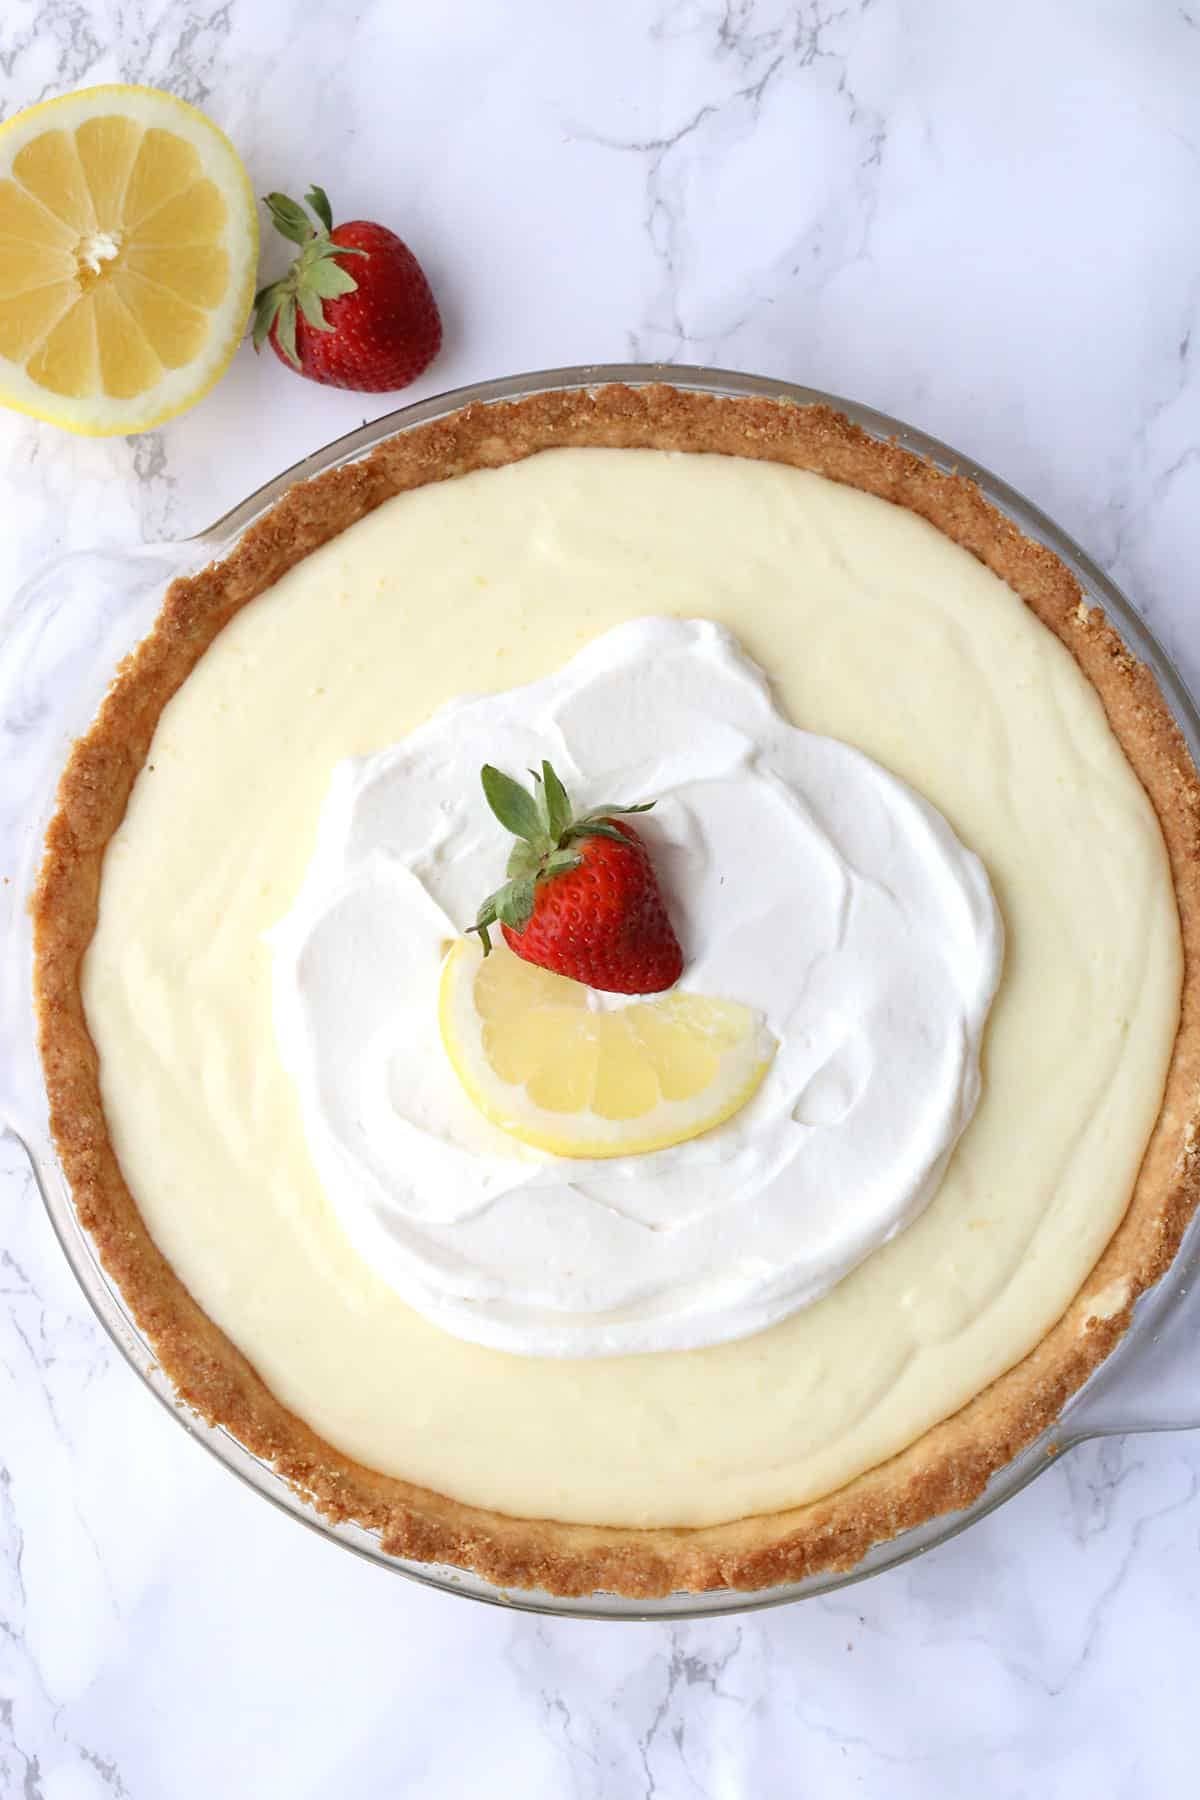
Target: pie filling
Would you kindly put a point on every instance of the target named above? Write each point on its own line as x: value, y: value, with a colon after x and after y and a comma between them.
x: 339, y: 1269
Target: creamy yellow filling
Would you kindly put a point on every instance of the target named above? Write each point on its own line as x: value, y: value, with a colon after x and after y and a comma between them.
x: 873, y: 628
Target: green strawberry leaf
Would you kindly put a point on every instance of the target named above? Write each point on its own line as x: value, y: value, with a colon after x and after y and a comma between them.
x: 319, y: 201
x: 267, y: 302
x: 607, y: 812
x: 516, y: 809
x: 557, y: 805
x: 285, y: 328
x: 587, y: 828
x: 289, y: 218
x: 539, y: 794
x: 523, y: 860
x: 310, y: 306
x: 327, y: 279
x: 483, y: 918
x: 514, y: 903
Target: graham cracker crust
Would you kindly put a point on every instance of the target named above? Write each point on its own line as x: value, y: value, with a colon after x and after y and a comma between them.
x: 945, y: 1469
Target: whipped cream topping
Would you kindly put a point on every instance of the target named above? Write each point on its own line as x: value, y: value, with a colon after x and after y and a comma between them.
x: 803, y: 880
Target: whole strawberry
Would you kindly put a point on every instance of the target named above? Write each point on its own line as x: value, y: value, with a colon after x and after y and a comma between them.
x: 354, y: 309
x: 581, y: 898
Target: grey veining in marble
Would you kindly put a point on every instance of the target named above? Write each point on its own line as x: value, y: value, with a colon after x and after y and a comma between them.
x: 980, y: 218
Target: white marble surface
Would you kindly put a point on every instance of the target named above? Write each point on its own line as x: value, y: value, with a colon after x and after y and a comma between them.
x: 981, y: 218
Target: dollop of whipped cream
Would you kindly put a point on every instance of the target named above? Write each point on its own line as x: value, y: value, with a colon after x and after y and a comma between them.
x: 803, y: 880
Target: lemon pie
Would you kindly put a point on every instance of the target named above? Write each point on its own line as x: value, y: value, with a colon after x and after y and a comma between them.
x: 728, y: 1286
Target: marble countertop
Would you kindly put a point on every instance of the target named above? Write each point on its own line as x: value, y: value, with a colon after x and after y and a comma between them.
x: 980, y: 218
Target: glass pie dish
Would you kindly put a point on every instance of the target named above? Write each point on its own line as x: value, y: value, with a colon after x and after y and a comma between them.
x: 64, y: 634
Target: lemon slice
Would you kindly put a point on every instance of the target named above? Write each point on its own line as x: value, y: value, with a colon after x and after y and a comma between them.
x: 540, y: 1062
x: 128, y: 246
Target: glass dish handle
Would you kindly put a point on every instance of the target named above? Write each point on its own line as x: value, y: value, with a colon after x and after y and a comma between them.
x: 1151, y: 1382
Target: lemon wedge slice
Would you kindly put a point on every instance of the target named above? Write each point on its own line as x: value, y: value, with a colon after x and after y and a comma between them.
x: 540, y: 1062
x: 128, y: 247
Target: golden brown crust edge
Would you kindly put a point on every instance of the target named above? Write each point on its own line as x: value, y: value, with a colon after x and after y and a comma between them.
x: 945, y: 1469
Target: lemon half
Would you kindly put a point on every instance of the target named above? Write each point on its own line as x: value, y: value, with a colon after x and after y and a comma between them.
x: 128, y: 248
x: 541, y: 1063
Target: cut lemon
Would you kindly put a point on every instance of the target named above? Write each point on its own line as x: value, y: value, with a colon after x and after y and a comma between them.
x: 539, y: 1061
x: 128, y: 247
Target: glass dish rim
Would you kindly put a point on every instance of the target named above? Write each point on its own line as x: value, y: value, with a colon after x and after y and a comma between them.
x: 215, y: 540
